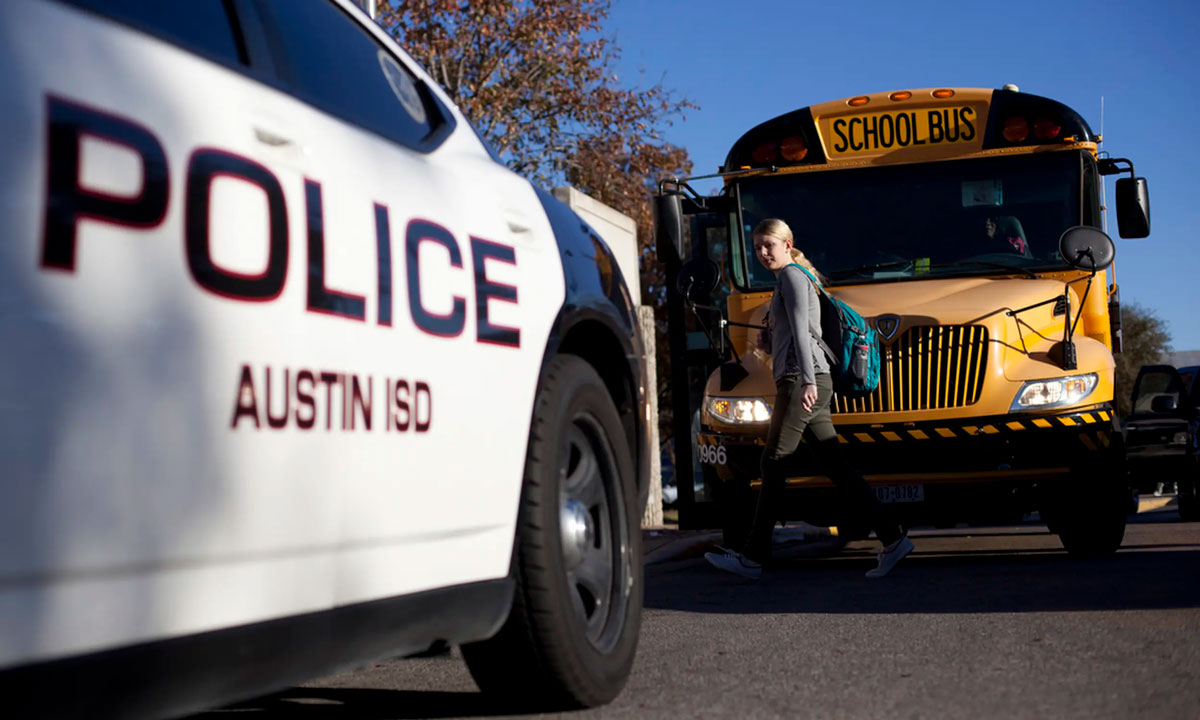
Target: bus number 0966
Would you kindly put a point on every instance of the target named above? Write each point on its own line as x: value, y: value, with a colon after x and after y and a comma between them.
x: 712, y: 454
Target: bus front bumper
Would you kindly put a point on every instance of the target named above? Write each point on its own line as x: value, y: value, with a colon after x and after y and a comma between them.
x: 976, y: 450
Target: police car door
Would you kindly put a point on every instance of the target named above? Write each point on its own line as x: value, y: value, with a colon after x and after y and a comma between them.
x: 435, y: 297
x: 167, y: 439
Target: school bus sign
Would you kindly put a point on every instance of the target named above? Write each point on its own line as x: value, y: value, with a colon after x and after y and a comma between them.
x: 872, y: 133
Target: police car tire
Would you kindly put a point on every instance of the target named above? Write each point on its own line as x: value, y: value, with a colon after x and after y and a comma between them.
x: 543, y: 656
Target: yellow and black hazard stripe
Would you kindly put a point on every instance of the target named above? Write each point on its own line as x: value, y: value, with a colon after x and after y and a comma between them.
x: 1095, y: 427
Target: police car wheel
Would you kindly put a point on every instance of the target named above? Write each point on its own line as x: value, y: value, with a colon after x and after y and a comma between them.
x: 572, y: 632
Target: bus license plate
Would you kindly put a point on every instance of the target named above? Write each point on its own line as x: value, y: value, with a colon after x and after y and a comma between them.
x: 900, y: 493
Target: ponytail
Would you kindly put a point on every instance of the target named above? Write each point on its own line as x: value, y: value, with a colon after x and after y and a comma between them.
x: 799, y: 258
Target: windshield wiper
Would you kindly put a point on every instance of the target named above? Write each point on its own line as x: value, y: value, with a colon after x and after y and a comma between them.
x: 861, y: 269
x: 987, y: 264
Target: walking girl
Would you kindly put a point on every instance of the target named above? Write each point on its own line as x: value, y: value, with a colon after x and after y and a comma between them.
x: 803, y: 393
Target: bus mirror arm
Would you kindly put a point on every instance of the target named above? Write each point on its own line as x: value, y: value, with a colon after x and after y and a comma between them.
x: 724, y: 322
x: 733, y: 372
x: 752, y: 326
x: 1069, y: 359
x: 1112, y: 166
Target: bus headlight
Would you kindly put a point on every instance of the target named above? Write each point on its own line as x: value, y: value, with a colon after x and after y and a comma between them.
x: 1039, y: 394
x: 739, y: 411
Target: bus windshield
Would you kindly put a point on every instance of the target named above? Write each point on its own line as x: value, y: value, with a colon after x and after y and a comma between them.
x: 964, y: 217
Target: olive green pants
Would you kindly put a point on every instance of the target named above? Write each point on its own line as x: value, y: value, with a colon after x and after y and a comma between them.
x: 795, y: 430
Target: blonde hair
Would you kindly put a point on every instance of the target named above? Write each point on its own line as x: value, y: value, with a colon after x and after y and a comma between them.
x: 778, y: 229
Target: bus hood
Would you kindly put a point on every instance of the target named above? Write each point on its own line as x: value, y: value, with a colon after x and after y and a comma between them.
x: 950, y: 301
x: 1020, y: 348
x: 1025, y: 345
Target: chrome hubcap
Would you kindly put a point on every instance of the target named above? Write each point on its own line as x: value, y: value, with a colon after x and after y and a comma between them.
x: 577, y: 532
x: 591, y: 533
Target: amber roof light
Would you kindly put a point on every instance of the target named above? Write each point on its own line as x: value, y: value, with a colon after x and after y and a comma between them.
x: 858, y: 101
x: 900, y: 95
x: 793, y: 148
x: 943, y: 93
x: 765, y: 153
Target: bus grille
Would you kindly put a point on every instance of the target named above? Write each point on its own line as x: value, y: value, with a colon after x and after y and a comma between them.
x: 926, y: 368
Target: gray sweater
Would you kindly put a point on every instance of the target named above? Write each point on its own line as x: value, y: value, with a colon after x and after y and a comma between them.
x: 795, y: 319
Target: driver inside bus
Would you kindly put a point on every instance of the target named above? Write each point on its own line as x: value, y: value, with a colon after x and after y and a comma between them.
x: 1007, y: 230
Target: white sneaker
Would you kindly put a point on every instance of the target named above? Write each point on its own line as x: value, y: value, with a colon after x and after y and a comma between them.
x: 734, y: 562
x: 890, y: 555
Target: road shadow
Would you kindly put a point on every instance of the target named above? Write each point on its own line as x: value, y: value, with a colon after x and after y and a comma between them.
x: 308, y: 703
x: 938, y: 578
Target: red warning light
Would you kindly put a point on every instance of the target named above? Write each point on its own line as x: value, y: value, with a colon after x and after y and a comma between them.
x: 1016, y: 129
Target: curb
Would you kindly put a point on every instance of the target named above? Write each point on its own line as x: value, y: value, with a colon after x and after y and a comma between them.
x: 681, y: 547
x: 1151, y: 503
x: 799, y: 540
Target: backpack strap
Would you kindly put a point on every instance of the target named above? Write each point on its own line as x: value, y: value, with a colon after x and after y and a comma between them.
x: 817, y: 336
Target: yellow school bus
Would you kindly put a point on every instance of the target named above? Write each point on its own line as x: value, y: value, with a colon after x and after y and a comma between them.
x: 966, y: 226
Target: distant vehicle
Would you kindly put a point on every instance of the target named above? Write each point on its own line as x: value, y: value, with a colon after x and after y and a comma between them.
x: 965, y: 225
x: 294, y: 373
x: 1162, y: 433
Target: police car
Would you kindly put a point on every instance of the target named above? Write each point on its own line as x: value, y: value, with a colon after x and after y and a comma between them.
x: 294, y: 374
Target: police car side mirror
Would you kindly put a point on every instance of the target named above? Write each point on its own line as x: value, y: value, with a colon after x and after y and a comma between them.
x: 668, y: 226
x: 1133, y: 207
x: 1086, y: 248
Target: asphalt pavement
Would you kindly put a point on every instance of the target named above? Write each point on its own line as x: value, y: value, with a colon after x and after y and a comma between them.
x: 995, y: 622
x: 668, y: 542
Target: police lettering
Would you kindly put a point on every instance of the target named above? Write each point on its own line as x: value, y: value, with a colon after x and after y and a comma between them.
x: 68, y: 201
x: 890, y: 131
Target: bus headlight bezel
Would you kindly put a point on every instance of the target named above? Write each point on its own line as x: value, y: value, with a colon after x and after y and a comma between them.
x: 1054, y: 392
x: 739, y: 410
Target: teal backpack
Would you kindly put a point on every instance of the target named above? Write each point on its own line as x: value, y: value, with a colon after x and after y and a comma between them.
x: 849, y: 342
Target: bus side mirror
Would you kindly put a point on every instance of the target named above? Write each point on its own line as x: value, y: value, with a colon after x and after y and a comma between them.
x: 1133, y: 207
x: 668, y: 226
x: 1086, y: 248
x: 697, y: 280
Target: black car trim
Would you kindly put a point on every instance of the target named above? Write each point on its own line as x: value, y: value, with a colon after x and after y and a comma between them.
x: 592, y: 295
x: 193, y: 672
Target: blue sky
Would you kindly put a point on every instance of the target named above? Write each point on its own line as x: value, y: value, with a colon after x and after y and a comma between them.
x: 745, y: 62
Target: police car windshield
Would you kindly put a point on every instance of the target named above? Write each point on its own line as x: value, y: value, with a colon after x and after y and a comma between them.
x: 967, y: 217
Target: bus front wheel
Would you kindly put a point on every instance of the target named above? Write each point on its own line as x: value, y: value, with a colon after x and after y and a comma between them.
x: 1189, y: 508
x: 736, y: 503
x: 1090, y: 511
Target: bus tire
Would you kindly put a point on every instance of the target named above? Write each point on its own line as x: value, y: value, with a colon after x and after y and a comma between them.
x: 736, y: 502
x: 570, y: 638
x: 1189, y: 509
x: 1090, y: 520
